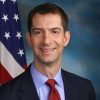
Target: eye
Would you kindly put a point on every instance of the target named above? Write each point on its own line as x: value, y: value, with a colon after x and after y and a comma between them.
x: 55, y: 31
x: 37, y: 32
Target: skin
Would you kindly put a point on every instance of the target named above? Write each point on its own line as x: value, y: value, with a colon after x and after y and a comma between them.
x: 47, y: 41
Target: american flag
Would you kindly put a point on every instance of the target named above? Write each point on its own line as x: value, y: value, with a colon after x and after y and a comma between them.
x: 12, y: 54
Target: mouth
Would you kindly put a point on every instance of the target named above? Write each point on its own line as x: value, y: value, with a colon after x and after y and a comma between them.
x: 47, y: 50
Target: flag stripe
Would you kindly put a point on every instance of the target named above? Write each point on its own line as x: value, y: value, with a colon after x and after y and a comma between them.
x: 9, y: 62
x: 6, y: 76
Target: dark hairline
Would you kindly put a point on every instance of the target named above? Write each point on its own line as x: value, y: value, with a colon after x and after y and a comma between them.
x: 48, y: 8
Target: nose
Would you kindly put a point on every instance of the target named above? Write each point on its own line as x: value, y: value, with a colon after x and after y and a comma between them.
x: 47, y: 38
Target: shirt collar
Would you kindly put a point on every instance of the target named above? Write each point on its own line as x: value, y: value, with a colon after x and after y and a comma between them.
x: 58, y: 78
x: 39, y: 79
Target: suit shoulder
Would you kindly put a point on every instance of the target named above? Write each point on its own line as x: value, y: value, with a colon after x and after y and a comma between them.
x: 14, y: 84
x: 11, y: 84
x: 75, y: 78
x: 80, y: 84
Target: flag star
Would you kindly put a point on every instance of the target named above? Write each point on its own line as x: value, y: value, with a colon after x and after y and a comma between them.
x: 3, y: 1
x: 7, y: 35
x: 21, y: 52
x: 18, y: 35
x: 16, y: 17
x: 5, y: 17
x: 13, y: 1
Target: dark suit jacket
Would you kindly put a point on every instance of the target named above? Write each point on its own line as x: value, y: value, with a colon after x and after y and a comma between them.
x: 23, y: 88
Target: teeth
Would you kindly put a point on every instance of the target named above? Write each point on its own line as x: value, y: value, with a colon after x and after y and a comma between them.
x: 47, y: 50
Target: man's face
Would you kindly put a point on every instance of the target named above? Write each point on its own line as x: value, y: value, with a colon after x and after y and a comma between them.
x: 47, y: 38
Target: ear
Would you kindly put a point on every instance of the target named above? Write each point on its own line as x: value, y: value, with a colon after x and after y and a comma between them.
x: 66, y: 38
x: 28, y: 38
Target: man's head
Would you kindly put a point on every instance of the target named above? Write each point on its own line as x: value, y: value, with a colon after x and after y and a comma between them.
x: 49, y: 35
x: 48, y: 8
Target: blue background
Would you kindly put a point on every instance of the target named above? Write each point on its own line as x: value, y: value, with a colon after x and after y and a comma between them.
x: 82, y: 55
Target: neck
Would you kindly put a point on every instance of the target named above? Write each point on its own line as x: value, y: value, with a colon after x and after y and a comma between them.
x: 49, y: 70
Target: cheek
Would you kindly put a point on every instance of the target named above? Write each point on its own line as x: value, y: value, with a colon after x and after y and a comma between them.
x: 60, y: 41
x: 35, y: 43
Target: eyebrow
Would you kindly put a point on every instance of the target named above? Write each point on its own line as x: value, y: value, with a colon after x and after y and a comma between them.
x: 33, y: 29
x: 55, y: 28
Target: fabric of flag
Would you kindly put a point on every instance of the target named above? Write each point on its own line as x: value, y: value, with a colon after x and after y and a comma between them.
x: 12, y: 54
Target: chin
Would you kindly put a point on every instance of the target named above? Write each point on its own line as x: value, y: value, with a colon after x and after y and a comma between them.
x: 49, y: 61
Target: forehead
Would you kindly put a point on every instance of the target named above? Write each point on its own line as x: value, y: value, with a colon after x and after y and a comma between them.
x: 46, y: 20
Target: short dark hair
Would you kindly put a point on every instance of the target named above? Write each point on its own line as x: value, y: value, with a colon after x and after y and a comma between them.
x: 47, y: 8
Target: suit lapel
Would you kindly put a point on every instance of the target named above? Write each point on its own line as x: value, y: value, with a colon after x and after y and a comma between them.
x: 28, y: 90
x: 71, y: 92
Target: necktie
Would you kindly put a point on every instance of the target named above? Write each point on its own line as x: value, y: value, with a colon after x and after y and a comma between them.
x: 53, y: 95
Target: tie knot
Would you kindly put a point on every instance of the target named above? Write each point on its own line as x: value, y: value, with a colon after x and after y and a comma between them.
x: 51, y: 82
x: 53, y: 94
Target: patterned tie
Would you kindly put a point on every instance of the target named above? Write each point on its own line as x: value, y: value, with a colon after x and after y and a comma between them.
x: 53, y: 95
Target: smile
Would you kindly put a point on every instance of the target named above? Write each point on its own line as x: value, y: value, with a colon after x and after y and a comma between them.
x: 47, y: 49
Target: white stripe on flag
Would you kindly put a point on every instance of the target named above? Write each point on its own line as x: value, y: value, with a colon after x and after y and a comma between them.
x: 10, y: 64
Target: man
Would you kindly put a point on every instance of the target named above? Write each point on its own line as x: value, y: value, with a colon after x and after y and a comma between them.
x: 45, y: 79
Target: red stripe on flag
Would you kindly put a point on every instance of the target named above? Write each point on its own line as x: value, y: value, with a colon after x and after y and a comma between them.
x: 25, y: 66
x: 4, y: 75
